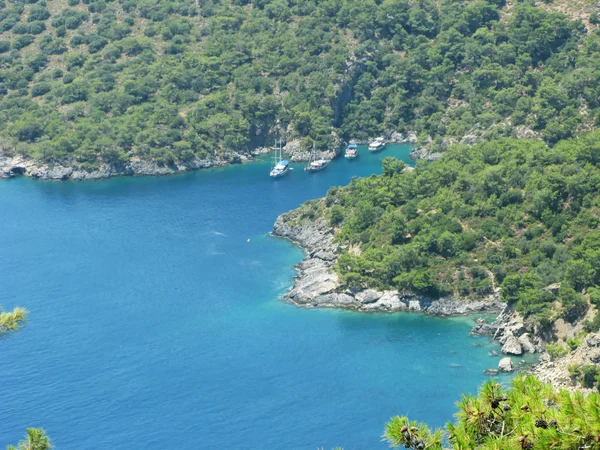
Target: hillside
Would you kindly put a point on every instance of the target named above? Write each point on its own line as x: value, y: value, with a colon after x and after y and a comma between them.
x: 90, y: 84
x: 515, y: 218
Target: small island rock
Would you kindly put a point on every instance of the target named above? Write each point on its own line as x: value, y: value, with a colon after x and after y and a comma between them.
x: 506, y: 365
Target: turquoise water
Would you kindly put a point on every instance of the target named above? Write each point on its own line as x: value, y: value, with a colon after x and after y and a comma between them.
x: 155, y: 324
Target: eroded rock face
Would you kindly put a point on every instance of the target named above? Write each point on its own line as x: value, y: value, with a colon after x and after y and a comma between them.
x: 512, y: 346
x: 414, y: 305
x: 18, y: 165
x: 526, y: 343
x: 368, y: 296
x: 593, y: 340
x: 484, y: 329
x: 318, y: 285
x: 556, y: 372
x: 296, y: 153
x: 506, y: 365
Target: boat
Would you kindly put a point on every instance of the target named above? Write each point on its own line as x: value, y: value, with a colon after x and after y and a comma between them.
x: 377, y: 144
x: 282, y: 166
x: 351, y: 151
x: 316, y: 164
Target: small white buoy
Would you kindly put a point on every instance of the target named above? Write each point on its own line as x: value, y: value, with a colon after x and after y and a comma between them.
x: 248, y: 239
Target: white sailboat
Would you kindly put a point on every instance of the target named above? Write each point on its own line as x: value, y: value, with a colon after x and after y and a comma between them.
x: 281, y: 166
x: 316, y: 164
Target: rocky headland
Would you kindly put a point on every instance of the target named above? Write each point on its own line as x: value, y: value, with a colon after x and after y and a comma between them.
x: 317, y: 284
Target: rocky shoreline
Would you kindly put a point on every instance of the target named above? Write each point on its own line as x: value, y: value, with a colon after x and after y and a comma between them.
x: 17, y: 165
x: 317, y: 284
x: 13, y: 166
x: 556, y: 372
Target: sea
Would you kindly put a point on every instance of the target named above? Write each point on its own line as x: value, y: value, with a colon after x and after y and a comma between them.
x: 156, y: 321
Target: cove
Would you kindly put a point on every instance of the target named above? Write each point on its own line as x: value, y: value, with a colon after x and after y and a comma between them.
x: 155, y: 324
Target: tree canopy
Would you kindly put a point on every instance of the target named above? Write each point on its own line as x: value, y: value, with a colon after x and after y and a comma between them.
x: 528, y: 415
x: 35, y: 439
x: 12, y: 320
x: 507, y: 216
x: 85, y: 82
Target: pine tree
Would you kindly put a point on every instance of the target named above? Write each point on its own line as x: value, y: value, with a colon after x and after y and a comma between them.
x: 10, y: 321
x: 528, y: 415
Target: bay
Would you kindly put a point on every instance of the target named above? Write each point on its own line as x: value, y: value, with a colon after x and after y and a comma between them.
x: 155, y: 324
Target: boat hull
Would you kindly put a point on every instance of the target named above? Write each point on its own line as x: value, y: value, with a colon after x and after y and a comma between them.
x: 278, y: 174
x: 315, y: 168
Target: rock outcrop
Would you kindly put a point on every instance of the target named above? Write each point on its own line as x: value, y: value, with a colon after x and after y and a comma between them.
x: 318, y: 285
x: 526, y: 344
x: 12, y: 166
x: 296, y: 152
x: 557, y: 372
x: 506, y: 365
x: 512, y: 346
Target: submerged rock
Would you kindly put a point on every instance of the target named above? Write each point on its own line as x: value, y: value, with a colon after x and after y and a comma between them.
x: 491, y: 371
x: 484, y: 329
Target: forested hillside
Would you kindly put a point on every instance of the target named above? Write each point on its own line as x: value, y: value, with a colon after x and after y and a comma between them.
x: 86, y: 82
x: 509, y: 215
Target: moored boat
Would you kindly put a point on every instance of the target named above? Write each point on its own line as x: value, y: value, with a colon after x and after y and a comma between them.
x: 316, y: 164
x: 281, y: 167
x: 351, y: 151
x: 377, y: 144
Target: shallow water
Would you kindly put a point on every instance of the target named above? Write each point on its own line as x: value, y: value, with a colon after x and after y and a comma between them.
x: 154, y: 323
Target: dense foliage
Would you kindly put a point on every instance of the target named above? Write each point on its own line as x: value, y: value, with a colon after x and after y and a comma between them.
x: 514, y: 216
x: 35, y: 439
x: 12, y: 320
x: 528, y: 415
x: 86, y: 81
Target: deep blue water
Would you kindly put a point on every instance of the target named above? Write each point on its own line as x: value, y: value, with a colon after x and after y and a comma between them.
x: 154, y: 324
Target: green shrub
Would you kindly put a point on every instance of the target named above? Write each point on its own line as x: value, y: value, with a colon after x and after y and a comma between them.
x: 22, y: 41
x: 556, y: 350
x: 40, y: 89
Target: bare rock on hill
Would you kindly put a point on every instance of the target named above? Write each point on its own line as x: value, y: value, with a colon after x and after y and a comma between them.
x: 556, y: 372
